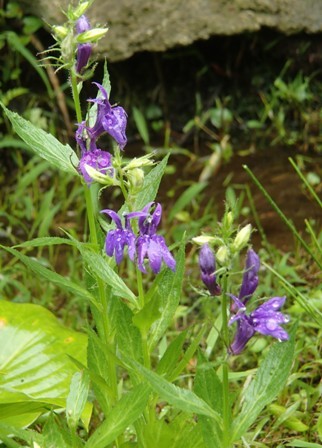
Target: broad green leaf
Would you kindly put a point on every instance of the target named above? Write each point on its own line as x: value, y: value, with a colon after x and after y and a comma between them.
x: 268, y: 382
x: 52, y: 276
x: 23, y: 434
x: 34, y: 362
x: 167, y: 291
x: 54, y: 436
x: 43, y: 144
x: 77, y: 398
x: 151, y: 185
x: 146, y: 316
x: 182, y: 399
x: 187, y: 196
x: 125, y: 412
x: 99, y: 267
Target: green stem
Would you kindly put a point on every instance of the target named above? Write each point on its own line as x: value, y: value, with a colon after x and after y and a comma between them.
x: 102, y: 319
x: 225, y: 372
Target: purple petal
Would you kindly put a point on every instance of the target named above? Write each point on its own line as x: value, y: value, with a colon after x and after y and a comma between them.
x: 250, y: 277
x: 82, y: 25
x: 110, y: 243
x: 83, y: 54
x: 114, y: 216
x: 114, y: 122
x: 154, y: 256
x: 142, y: 248
x: 243, y: 334
x: 207, y: 265
x: 166, y: 254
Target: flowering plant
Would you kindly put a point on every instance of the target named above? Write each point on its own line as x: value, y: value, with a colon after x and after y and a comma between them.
x: 132, y: 362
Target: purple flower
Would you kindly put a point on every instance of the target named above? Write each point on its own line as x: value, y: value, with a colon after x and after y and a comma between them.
x: 146, y: 245
x: 149, y: 244
x: 116, y: 240
x: 250, y: 278
x: 265, y: 319
x: 83, y: 50
x: 207, y: 264
x: 97, y: 159
x: 110, y: 119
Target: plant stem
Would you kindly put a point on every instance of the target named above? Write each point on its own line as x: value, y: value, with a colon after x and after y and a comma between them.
x: 102, y: 319
x: 225, y: 380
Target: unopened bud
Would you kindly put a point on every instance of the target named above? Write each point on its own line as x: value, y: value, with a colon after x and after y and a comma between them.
x: 222, y: 255
x: 139, y: 162
x: 79, y: 11
x: 242, y: 238
x: 136, y: 178
x: 91, y: 36
x: 204, y: 239
x: 60, y: 32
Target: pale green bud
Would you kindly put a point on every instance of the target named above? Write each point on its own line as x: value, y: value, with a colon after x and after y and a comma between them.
x: 228, y: 220
x: 60, y: 32
x: 136, y: 178
x: 80, y: 10
x: 204, y: 239
x: 222, y: 254
x: 99, y: 177
x: 139, y: 162
x: 91, y: 36
x: 242, y: 238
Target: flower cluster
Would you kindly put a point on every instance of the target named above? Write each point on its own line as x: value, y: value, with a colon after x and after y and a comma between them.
x: 110, y: 119
x: 144, y: 245
x: 266, y: 319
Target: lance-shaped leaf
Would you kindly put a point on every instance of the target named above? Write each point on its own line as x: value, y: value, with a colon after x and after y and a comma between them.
x: 43, y: 144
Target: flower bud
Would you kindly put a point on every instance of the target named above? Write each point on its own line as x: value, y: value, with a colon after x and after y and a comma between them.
x: 60, y: 32
x: 91, y: 36
x: 204, y: 239
x: 136, y: 178
x: 79, y: 11
x: 242, y: 238
x: 228, y: 220
x: 207, y: 266
x: 222, y: 255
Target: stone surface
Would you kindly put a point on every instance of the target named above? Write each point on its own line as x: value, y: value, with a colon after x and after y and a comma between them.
x: 152, y: 25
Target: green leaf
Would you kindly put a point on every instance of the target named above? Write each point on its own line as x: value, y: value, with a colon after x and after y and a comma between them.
x: 182, y: 399
x: 77, y: 398
x: 127, y: 335
x: 46, y: 241
x: 167, y: 290
x: 171, y: 356
x: 301, y: 444
x: 52, y: 276
x: 268, y: 382
x: 99, y: 267
x: 34, y: 362
x: 125, y: 412
x: 146, y: 316
x: 141, y: 125
x: 43, y: 144
x: 151, y: 185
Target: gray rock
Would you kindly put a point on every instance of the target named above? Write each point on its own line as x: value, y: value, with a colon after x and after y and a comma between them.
x: 152, y: 25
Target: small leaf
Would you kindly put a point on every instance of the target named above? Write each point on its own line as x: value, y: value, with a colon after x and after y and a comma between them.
x: 151, y: 185
x: 77, y: 398
x: 43, y: 144
x: 167, y: 290
x: 125, y: 412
